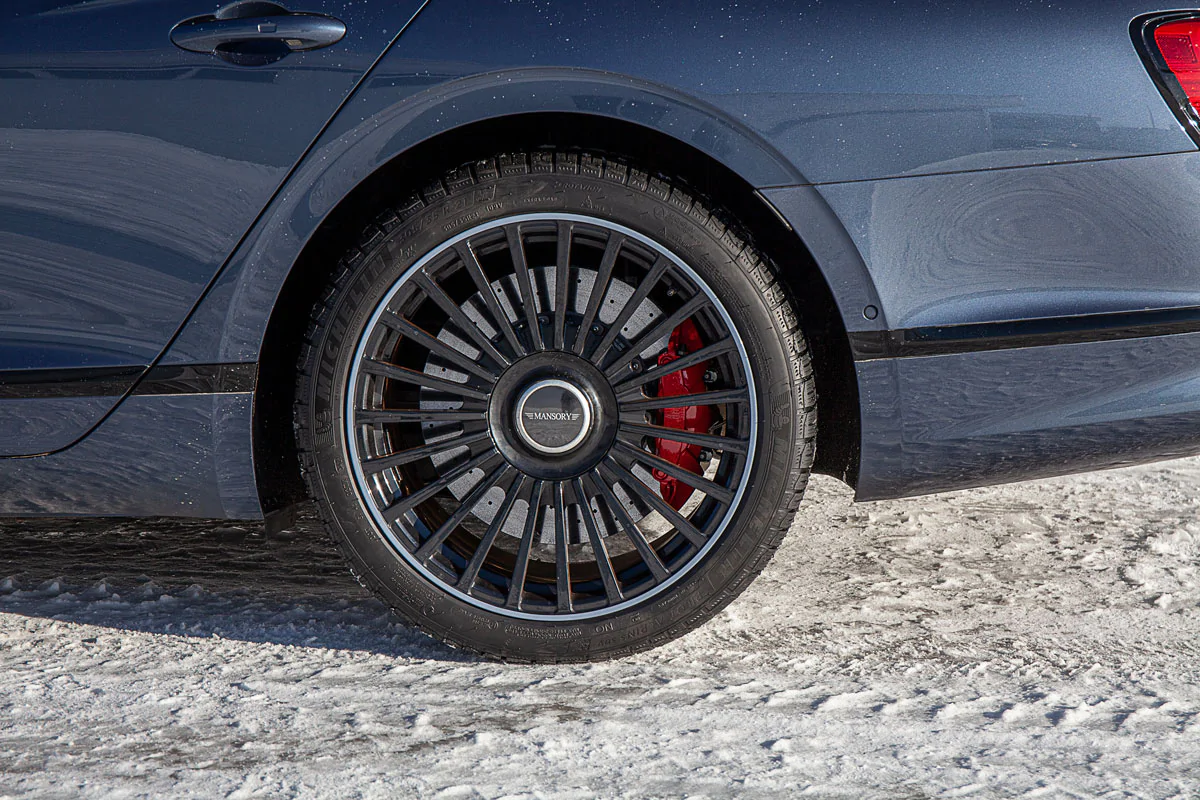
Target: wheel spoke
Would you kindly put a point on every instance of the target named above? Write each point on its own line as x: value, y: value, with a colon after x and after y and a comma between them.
x: 471, y: 572
x: 739, y: 396
x: 436, y: 346
x: 706, y: 353
x: 411, y: 501
x: 630, y: 529
x: 562, y: 284
x: 459, y: 318
x: 434, y: 542
x: 643, y: 290
x: 516, y: 247
x: 394, y: 372
x: 516, y: 585
x: 562, y: 557
x: 599, y: 289
x: 632, y: 483
x: 378, y: 464
x: 471, y: 261
x: 714, y: 490
x: 612, y: 589
x: 660, y: 329
x: 709, y: 440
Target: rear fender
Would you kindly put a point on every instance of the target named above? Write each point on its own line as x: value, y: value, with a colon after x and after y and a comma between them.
x: 381, y: 124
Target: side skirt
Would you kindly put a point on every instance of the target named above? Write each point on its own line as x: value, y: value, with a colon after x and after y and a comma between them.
x: 157, y: 454
x: 984, y: 416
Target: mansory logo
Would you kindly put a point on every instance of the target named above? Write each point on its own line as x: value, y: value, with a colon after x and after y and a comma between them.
x: 552, y: 416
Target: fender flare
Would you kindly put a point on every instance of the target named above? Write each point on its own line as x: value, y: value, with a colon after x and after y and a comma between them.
x: 377, y: 125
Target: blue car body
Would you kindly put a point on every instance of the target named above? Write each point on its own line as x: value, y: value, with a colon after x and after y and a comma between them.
x: 990, y: 213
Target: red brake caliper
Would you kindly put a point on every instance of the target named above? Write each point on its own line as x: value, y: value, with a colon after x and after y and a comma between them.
x: 697, y: 419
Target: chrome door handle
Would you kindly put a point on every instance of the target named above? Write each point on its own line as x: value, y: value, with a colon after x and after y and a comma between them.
x: 255, y: 22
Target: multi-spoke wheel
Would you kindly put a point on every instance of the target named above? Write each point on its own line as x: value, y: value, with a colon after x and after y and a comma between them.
x: 546, y: 429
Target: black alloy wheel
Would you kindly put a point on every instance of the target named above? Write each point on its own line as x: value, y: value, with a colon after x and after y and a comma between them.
x: 486, y: 427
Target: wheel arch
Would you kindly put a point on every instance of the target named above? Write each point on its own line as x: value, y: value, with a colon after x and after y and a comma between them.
x: 415, y: 168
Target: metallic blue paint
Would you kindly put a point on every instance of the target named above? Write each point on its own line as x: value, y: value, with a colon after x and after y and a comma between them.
x: 157, y: 455
x: 958, y: 421
x: 1060, y: 240
x: 843, y: 91
x: 48, y: 423
x: 944, y: 162
x: 131, y: 168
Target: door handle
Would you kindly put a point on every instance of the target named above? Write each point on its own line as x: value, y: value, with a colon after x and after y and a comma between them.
x: 255, y: 24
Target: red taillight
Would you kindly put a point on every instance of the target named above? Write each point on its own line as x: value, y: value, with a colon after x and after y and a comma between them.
x: 1178, y: 42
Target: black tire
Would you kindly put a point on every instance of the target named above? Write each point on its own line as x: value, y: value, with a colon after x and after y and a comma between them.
x: 780, y: 388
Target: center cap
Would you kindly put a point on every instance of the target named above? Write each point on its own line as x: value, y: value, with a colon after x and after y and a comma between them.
x: 553, y: 416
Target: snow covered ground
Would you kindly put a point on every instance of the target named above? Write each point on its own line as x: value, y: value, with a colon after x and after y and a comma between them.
x: 1038, y: 640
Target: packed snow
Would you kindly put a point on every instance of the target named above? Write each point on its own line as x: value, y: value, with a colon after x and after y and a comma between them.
x: 1034, y: 640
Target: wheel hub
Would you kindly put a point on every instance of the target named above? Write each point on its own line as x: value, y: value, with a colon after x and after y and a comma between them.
x: 553, y: 415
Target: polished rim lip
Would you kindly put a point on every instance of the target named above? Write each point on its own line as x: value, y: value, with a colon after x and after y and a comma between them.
x: 350, y: 443
x: 584, y: 403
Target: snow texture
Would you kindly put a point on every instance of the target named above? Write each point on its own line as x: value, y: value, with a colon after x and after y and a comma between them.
x: 1035, y: 640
